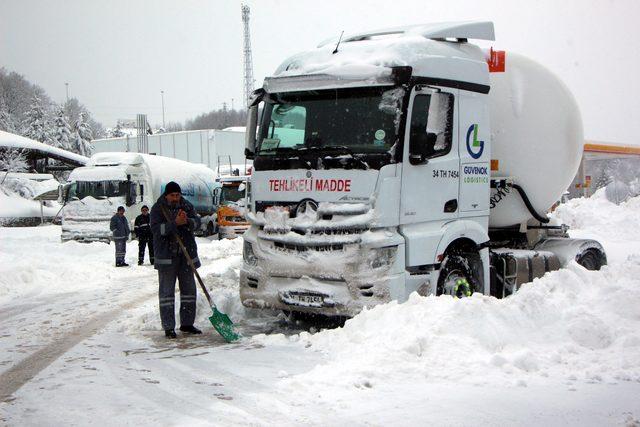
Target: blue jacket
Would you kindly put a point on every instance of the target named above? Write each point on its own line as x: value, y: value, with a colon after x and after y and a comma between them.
x: 119, y: 227
x: 167, y: 253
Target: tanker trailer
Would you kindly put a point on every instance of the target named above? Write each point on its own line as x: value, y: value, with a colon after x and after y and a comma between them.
x: 407, y: 160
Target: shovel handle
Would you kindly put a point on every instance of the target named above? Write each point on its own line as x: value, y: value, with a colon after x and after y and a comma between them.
x: 189, y: 260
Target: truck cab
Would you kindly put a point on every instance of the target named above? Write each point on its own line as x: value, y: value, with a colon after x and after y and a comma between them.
x: 229, y: 197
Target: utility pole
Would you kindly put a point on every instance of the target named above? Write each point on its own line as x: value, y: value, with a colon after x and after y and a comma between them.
x: 66, y: 85
x: 248, y: 61
x: 162, y: 95
x: 232, y: 107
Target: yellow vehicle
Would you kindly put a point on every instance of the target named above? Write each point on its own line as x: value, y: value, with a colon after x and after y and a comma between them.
x: 229, y: 198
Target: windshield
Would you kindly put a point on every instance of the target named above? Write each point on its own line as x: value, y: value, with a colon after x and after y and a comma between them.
x: 97, y: 189
x: 343, y: 128
x: 231, y: 194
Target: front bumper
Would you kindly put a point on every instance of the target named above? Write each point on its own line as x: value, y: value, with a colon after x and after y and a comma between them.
x: 333, y: 283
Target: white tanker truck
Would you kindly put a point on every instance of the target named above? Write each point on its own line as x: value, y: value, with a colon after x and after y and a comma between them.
x: 94, y: 192
x: 407, y: 160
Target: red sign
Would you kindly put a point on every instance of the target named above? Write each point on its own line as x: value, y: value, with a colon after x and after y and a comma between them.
x: 496, y: 61
x: 310, y: 184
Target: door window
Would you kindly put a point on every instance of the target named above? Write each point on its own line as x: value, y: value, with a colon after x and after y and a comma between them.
x: 431, y: 127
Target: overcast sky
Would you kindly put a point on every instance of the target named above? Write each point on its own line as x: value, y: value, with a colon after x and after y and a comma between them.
x: 118, y: 55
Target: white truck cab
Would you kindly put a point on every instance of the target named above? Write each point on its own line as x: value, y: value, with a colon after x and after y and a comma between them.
x: 374, y: 178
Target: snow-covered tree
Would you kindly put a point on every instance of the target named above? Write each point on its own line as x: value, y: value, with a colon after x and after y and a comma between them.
x: 36, y: 125
x: 82, y: 136
x: 63, y: 131
x: 117, y: 131
x: 12, y: 160
x: 7, y: 123
x: 74, y: 108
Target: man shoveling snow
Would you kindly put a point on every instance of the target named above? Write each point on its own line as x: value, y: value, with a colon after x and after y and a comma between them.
x: 172, y: 214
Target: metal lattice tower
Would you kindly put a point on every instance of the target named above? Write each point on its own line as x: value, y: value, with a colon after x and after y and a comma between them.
x: 248, y: 61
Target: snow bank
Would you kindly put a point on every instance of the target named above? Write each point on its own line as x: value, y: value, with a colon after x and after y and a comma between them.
x: 602, y: 217
x: 570, y: 325
x: 13, y: 206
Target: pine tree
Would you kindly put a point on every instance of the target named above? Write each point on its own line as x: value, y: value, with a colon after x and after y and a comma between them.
x: 82, y: 136
x: 63, y: 131
x: 117, y: 131
x: 35, y: 125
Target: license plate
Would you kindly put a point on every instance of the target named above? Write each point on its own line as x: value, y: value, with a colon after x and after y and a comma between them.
x: 303, y: 299
x: 307, y: 299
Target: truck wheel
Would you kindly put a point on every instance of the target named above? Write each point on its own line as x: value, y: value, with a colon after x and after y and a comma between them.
x: 210, y: 229
x: 460, y: 275
x: 591, y: 259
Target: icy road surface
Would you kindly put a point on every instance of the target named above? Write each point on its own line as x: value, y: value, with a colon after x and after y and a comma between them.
x: 80, y: 343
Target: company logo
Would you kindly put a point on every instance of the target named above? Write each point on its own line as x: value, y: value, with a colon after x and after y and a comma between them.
x: 306, y: 207
x: 474, y: 147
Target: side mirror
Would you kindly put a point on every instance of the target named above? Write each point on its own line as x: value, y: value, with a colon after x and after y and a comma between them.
x: 250, y: 136
x: 216, y: 196
x: 131, y: 193
x: 422, y: 150
x: 252, y: 123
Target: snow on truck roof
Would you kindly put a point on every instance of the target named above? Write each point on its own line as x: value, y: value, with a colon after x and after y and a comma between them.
x: 37, y: 148
x: 367, y: 58
x: 113, y: 166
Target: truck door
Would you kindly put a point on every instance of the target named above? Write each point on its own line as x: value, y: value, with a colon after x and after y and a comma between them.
x: 430, y: 173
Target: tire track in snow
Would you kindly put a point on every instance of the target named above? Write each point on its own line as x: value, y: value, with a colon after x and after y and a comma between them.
x: 24, y: 371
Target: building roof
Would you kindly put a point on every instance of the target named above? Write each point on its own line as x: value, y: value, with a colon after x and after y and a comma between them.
x: 35, y: 149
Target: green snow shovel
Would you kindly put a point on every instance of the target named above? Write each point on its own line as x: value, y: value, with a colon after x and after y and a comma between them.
x: 219, y: 320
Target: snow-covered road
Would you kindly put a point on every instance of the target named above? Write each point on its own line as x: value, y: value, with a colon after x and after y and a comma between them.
x: 81, y: 344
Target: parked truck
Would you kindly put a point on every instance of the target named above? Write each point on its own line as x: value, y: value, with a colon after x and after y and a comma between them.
x: 229, y: 197
x: 93, y: 192
x: 407, y: 160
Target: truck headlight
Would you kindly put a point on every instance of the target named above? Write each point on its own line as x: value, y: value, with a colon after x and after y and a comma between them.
x: 382, y: 257
x: 248, y: 255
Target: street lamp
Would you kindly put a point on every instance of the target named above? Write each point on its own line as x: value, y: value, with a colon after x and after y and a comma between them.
x: 162, y: 94
x: 67, y: 90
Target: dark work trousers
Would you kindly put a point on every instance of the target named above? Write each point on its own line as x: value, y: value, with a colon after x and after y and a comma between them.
x: 121, y: 248
x: 142, y: 244
x: 179, y: 270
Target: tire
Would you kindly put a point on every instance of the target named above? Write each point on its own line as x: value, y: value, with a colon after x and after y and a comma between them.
x: 460, y: 275
x: 210, y: 229
x: 591, y: 259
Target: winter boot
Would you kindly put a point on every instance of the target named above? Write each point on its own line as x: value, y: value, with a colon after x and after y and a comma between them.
x: 124, y: 264
x: 190, y: 330
x: 140, y: 262
x: 170, y: 333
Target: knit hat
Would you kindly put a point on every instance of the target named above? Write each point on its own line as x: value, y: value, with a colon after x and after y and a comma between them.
x: 172, y: 187
x: 144, y: 207
x: 120, y: 208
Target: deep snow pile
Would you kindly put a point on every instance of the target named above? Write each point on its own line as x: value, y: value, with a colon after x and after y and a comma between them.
x: 13, y: 206
x: 571, y: 325
x: 602, y: 217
